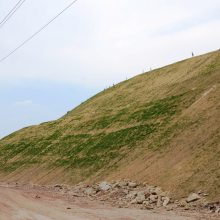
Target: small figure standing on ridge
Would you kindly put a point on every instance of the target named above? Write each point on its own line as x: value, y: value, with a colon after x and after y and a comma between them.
x: 192, y: 54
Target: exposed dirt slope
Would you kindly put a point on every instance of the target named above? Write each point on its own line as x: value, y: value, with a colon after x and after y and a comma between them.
x: 161, y: 127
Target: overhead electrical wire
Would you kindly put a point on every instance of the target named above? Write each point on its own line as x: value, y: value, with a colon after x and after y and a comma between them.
x: 11, y: 12
x: 37, y: 32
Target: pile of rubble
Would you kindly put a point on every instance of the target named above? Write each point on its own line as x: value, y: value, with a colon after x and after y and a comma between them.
x: 126, y: 194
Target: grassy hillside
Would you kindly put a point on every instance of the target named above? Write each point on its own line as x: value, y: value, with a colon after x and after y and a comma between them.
x: 161, y: 127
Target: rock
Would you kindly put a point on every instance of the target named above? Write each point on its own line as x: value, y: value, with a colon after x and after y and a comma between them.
x: 116, y: 185
x: 140, y: 198
x: 159, y: 201
x: 147, y: 194
x: 217, y: 210
x: 158, y: 191
x: 182, y: 203
x: 211, y: 206
x: 146, y: 203
x: 169, y: 208
x: 193, y: 197
x: 132, y: 184
x: 166, y: 201
x: 151, y: 189
x: 134, y: 201
x: 104, y: 186
x: 125, y: 191
x: 153, y: 198
x: 90, y: 191
x: 58, y: 186
x: 176, y: 202
x: 131, y: 195
x: 123, y: 184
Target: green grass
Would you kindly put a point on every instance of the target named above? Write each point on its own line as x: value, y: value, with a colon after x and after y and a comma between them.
x: 160, y: 108
x: 98, y: 149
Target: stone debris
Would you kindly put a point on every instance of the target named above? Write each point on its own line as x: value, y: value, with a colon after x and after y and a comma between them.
x: 131, y: 195
x: 193, y: 197
x: 132, y: 184
x: 213, y: 207
x: 104, y: 186
x: 126, y: 194
x: 153, y: 198
x: 90, y: 191
x: 166, y: 201
x: 159, y: 201
x: 58, y: 186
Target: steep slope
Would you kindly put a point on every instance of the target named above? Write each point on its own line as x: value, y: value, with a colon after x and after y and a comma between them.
x: 162, y: 127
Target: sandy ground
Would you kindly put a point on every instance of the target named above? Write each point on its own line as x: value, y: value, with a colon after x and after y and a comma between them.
x: 21, y: 204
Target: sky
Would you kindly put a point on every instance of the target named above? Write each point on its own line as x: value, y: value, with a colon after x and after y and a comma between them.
x: 91, y: 46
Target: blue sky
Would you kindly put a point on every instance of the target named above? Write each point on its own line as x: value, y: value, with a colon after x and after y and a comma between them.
x: 90, y: 47
x: 31, y: 102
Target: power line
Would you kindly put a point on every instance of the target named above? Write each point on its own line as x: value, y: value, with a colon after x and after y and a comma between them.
x: 11, y: 12
x: 37, y: 32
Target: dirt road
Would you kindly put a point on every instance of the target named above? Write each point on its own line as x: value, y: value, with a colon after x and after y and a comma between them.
x: 19, y: 204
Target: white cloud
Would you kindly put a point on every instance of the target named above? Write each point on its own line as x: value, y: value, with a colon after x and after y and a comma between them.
x: 100, y: 42
x: 24, y: 103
